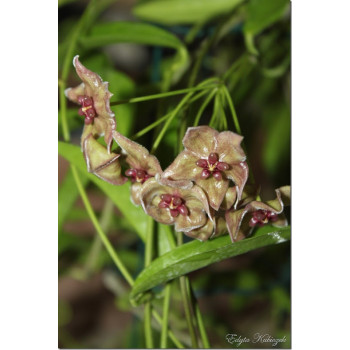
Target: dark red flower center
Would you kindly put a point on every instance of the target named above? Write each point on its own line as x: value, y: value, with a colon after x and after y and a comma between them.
x: 262, y: 217
x: 212, y: 166
x: 87, y: 110
x: 175, y: 204
x: 137, y: 175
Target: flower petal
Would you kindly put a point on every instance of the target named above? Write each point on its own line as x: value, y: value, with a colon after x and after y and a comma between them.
x: 135, y: 191
x: 104, y: 122
x: 203, y: 233
x: 73, y: 93
x: 229, y: 199
x: 238, y: 173
x: 101, y: 163
x: 229, y: 149
x: 214, y: 189
x: 183, y: 167
x: 237, y: 224
x: 200, y: 140
x: 137, y: 156
x: 195, y: 219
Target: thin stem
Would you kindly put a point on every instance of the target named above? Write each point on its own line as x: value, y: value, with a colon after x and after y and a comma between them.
x: 147, y: 325
x: 166, y: 303
x: 232, y: 108
x: 201, y: 327
x: 162, y: 95
x: 170, y: 333
x: 99, y: 230
x: 96, y: 246
x: 187, y: 304
x: 203, y: 106
x: 111, y: 250
x: 167, y: 123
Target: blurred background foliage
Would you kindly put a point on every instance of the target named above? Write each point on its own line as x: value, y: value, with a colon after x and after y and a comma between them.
x: 142, y: 48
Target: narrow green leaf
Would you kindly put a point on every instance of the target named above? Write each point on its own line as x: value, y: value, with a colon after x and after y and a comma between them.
x: 172, y: 12
x: 262, y: 13
x: 195, y: 255
x: 120, y: 195
x: 129, y: 32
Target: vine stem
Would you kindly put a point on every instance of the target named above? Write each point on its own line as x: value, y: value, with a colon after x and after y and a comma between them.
x: 111, y: 250
x: 186, y: 297
x: 161, y: 95
x: 166, y: 303
x: 99, y: 230
x: 148, y: 305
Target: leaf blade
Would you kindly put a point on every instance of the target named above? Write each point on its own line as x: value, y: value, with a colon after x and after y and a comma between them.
x: 195, y: 255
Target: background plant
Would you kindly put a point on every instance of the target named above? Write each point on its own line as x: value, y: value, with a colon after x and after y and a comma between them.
x: 231, y: 61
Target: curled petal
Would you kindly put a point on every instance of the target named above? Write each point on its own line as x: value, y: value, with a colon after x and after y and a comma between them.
x: 183, y: 167
x: 137, y: 156
x: 238, y: 173
x: 200, y: 140
x: 184, y: 184
x: 136, y: 193
x: 104, y: 123
x: 202, y: 233
x: 237, y: 224
x: 101, y: 163
x: 229, y: 199
x: 214, y: 189
x: 73, y: 93
x: 229, y: 148
x: 195, y: 219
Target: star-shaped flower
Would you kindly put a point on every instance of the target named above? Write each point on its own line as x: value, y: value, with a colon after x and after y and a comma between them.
x: 241, y: 221
x: 211, y: 159
x: 187, y: 209
x: 93, y: 96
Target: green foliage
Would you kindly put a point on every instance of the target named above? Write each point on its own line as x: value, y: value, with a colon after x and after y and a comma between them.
x: 172, y: 12
x: 195, y: 255
x: 245, y: 47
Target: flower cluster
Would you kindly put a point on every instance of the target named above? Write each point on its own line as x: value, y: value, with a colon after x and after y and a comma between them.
x: 203, y: 193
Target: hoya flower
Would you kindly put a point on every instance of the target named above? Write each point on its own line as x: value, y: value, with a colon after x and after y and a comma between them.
x: 142, y: 165
x: 255, y: 214
x: 93, y: 96
x: 187, y: 209
x: 211, y: 159
x: 101, y: 163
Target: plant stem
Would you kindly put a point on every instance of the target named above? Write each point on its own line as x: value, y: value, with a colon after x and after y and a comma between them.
x: 203, y: 106
x: 201, y: 327
x: 99, y: 230
x: 148, y: 306
x: 232, y: 108
x: 166, y: 302
x: 187, y: 304
x: 111, y: 250
x: 96, y: 246
x: 167, y: 123
x: 162, y: 95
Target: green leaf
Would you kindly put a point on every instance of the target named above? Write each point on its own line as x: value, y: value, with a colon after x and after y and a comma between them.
x: 120, y: 195
x: 260, y: 15
x: 139, y: 33
x: 172, y: 12
x: 67, y: 195
x: 129, y: 32
x: 195, y: 255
